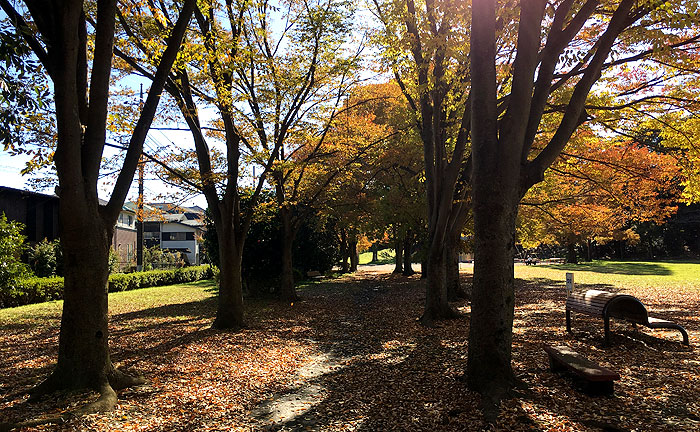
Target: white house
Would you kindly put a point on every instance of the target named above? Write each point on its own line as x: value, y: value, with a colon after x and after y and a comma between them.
x: 174, y: 232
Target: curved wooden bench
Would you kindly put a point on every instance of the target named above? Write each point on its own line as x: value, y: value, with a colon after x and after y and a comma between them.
x: 608, y: 305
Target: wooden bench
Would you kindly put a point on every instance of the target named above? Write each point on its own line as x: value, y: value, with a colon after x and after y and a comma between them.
x: 608, y: 305
x: 598, y: 379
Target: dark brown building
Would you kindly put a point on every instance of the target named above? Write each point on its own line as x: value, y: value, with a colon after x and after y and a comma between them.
x: 38, y: 212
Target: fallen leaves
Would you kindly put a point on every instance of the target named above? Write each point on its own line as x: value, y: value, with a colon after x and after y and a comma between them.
x: 351, y: 356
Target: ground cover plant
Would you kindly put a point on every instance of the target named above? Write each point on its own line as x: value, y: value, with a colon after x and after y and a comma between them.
x: 351, y: 356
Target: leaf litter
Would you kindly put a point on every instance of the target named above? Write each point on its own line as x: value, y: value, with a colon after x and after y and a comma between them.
x: 351, y: 356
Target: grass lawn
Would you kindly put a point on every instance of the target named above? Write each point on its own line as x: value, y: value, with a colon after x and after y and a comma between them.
x: 386, y: 256
x: 621, y: 274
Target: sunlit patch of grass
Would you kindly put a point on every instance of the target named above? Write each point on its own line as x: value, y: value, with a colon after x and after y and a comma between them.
x: 621, y: 274
x: 121, y: 302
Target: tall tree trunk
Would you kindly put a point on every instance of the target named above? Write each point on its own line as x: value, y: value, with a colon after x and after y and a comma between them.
x: 495, y: 199
x: 455, y: 290
x: 287, y: 290
x: 229, y: 314
x: 407, y: 254
x: 489, y: 368
x: 375, y: 252
x: 398, y: 253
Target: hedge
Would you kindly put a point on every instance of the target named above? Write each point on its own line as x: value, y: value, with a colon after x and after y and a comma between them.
x: 37, y: 290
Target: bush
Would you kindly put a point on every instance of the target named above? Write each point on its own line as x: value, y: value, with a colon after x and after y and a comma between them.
x: 129, y: 281
x: 33, y: 290
x: 12, y: 270
x: 37, y: 290
x: 42, y: 258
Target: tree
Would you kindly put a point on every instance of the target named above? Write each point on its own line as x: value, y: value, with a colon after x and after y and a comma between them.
x: 597, y: 189
x: 428, y: 54
x: 523, y: 115
x: 59, y: 38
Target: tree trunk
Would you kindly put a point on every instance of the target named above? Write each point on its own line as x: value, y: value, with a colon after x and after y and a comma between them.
x: 455, y: 290
x: 589, y: 250
x: 489, y: 368
x: 407, y: 254
x: 436, y: 303
x: 375, y: 252
x: 354, y: 257
x: 344, y: 266
x: 398, y: 254
x: 229, y: 314
x: 571, y: 256
x: 287, y: 290
x: 83, y: 347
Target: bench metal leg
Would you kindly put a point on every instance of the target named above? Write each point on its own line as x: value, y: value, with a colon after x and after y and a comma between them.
x: 568, y: 320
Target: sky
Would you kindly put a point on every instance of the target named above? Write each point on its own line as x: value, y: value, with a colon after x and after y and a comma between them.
x: 10, y: 166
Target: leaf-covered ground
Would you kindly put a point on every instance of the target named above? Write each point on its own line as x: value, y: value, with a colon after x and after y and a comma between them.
x: 351, y: 356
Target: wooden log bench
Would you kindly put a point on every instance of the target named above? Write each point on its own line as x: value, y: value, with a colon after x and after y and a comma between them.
x: 608, y: 305
x: 598, y: 379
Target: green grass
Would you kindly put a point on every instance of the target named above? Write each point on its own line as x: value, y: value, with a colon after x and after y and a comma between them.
x: 121, y: 302
x: 386, y: 256
x: 620, y: 274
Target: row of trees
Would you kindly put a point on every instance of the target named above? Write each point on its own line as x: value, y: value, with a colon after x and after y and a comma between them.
x: 487, y: 96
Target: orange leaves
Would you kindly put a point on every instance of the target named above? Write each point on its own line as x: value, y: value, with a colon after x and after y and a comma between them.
x: 599, y: 187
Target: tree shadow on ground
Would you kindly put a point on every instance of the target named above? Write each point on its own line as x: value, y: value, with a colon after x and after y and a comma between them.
x: 615, y: 267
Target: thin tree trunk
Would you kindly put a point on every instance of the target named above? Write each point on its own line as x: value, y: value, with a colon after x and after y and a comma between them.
x: 344, y: 266
x: 352, y: 251
x: 571, y: 256
x: 287, y: 290
x: 455, y: 290
x: 375, y: 252
x: 589, y: 250
x: 407, y: 254
x: 398, y: 253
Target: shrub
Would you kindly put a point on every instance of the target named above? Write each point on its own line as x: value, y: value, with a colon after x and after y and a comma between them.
x: 36, y: 290
x: 12, y: 270
x: 42, y: 258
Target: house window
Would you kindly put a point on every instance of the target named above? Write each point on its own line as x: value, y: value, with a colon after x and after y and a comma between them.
x: 178, y: 236
x: 151, y: 227
x: 130, y: 220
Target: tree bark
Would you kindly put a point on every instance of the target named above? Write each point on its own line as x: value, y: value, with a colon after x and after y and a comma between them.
x: 229, y: 314
x: 375, y: 252
x: 571, y: 256
x: 344, y: 265
x: 287, y: 289
x: 589, y: 250
x: 455, y: 290
x: 398, y: 253
x: 407, y: 254
x: 352, y: 251
x: 436, y: 303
